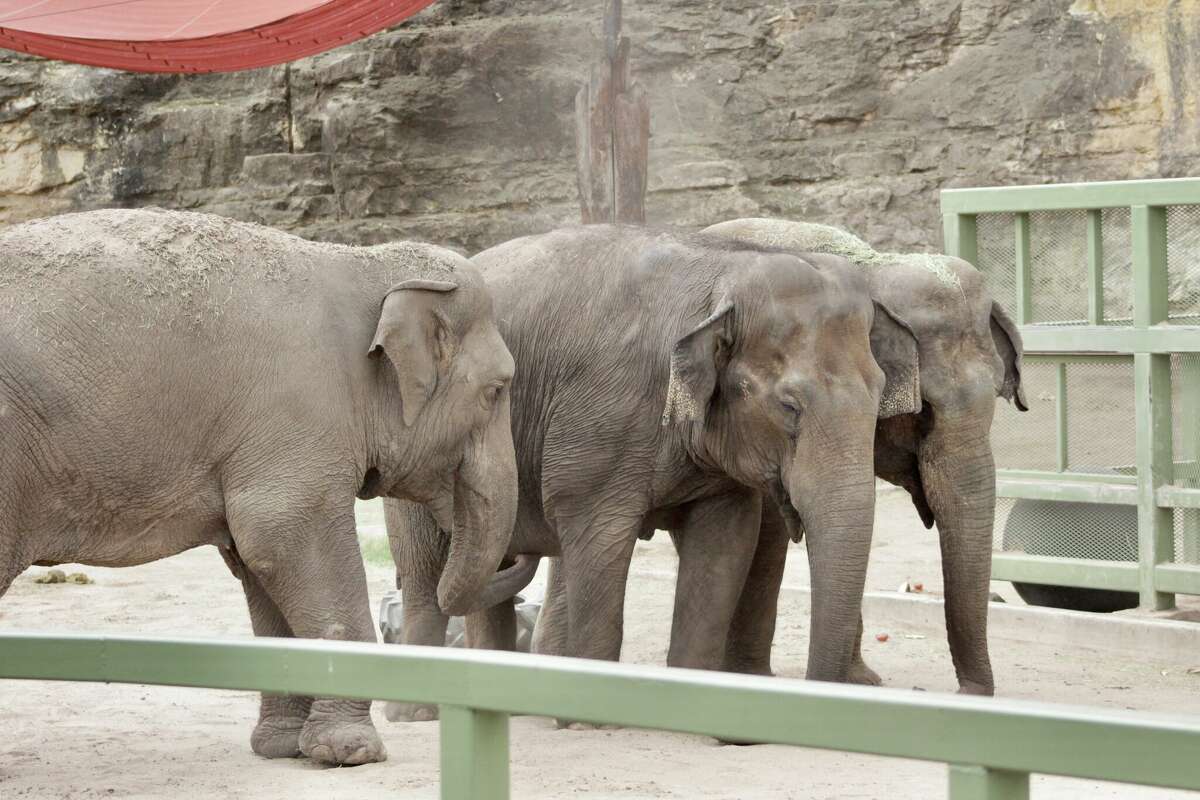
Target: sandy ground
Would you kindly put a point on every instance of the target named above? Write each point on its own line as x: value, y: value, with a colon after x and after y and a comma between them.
x: 95, y: 741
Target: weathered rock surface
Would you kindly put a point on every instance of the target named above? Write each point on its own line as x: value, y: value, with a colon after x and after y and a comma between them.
x: 457, y: 127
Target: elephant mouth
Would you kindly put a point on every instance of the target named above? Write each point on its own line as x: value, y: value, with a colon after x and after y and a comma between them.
x: 791, y: 517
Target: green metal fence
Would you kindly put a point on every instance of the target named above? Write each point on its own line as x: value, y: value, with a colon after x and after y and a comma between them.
x: 991, y: 745
x: 1104, y: 281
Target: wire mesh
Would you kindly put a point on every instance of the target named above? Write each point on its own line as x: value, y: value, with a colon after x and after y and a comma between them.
x: 1026, y: 440
x: 997, y: 258
x: 1185, y: 445
x: 1183, y: 264
x: 1058, y: 266
x: 1099, y: 398
x: 1067, y: 530
x: 1101, y: 426
x: 1117, y: 246
x: 1187, y: 535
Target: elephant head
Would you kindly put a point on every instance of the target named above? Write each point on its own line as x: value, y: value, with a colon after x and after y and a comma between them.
x: 778, y: 388
x: 970, y: 354
x: 445, y: 372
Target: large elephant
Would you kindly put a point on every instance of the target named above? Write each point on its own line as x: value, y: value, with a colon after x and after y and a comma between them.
x: 171, y: 380
x: 970, y: 354
x: 675, y: 380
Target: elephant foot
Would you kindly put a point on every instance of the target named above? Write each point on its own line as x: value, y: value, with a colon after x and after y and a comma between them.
x: 340, y: 743
x: 862, y: 674
x: 410, y: 712
x: 971, y: 687
x: 277, y: 737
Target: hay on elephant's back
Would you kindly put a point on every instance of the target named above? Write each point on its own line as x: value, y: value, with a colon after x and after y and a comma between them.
x: 813, y: 237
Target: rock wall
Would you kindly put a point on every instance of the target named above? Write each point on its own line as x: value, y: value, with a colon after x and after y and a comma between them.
x: 457, y: 127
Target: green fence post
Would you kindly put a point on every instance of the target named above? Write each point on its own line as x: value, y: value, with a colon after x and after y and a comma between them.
x: 1095, y: 272
x: 960, y: 237
x: 474, y: 754
x: 1152, y: 402
x: 1024, y: 264
x: 980, y: 783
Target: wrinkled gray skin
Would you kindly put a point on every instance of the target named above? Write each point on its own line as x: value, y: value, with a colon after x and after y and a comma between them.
x: 174, y: 380
x: 970, y: 354
x: 678, y: 381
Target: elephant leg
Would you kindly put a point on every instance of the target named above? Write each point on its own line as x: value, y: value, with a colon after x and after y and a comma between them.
x: 595, y: 564
x: 308, y: 564
x: 959, y: 476
x: 550, y: 632
x: 837, y: 558
x: 595, y: 569
x: 12, y: 562
x: 419, y: 552
x: 494, y: 628
x: 280, y: 717
x: 752, y: 632
x: 716, y: 543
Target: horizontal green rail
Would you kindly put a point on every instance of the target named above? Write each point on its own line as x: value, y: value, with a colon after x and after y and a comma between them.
x: 1062, y: 487
x: 1177, y: 497
x: 1179, y: 578
x: 1091, y: 573
x: 1082, y: 572
x: 1071, y: 196
x: 1044, y: 340
x: 992, y: 745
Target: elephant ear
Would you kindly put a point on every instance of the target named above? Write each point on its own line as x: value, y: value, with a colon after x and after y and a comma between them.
x: 1007, y: 339
x: 412, y: 333
x: 694, y: 366
x: 894, y: 346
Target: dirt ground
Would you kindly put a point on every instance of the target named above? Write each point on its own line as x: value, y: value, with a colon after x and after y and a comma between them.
x: 95, y: 741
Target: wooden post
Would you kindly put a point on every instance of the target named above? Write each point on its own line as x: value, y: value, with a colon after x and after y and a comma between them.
x: 612, y: 135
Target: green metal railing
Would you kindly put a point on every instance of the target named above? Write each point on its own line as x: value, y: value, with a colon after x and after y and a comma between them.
x: 1149, y: 339
x: 991, y: 745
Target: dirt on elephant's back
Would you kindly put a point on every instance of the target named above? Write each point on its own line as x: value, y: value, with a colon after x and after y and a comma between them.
x: 198, y: 262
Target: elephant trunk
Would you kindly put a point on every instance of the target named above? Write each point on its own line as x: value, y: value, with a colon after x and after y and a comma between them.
x: 960, y: 487
x: 837, y: 505
x: 485, y: 507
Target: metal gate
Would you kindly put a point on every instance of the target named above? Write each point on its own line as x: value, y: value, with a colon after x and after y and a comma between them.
x: 1104, y: 281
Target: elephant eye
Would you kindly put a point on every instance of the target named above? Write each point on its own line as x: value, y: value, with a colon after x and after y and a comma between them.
x: 790, y: 407
x: 491, y: 393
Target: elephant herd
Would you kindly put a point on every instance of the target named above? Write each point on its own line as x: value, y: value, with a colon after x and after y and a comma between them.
x: 170, y: 380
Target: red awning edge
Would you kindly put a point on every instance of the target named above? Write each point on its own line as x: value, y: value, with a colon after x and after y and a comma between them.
x: 329, y: 25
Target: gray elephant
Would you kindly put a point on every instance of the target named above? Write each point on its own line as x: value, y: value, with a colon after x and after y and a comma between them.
x: 970, y: 354
x: 172, y: 380
x: 675, y: 380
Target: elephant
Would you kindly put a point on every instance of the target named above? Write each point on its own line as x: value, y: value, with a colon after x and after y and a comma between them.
x: 172, y: 380
x: 970, y: 353
x: 670, y: 379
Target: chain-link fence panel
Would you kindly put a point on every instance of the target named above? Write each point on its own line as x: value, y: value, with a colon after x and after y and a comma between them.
x: 1117, y: 270
x: 1101, y: 429
x: 1026, y: 440
x: 1183, y: 264
x: 997, y: 258
x: 1185, y: 447
x: 1067, y: 530
x: 1058, y: 267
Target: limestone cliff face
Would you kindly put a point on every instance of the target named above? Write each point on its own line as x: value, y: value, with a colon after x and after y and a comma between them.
x: 457, y: 127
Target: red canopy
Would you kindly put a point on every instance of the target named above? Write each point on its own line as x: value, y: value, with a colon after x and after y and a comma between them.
x: 191, y: 35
